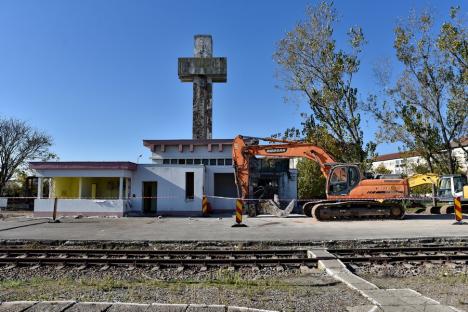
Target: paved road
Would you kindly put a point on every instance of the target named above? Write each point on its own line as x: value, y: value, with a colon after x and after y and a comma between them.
x: 260, y: 228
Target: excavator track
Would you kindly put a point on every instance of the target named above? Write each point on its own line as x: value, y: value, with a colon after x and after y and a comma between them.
x: 349, y: 210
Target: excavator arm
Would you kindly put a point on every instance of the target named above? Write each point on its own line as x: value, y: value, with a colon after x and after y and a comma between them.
x: 244, y: 148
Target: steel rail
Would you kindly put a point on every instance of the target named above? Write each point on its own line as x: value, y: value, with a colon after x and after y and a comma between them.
x: 169, y: 262
x: 404, y: 258
x: 218, y: 257
x: 278, y: 252
x: 399, y: 249
x: 232, y: 262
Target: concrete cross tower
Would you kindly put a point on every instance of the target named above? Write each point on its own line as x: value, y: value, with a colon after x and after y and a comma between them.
x: 203, y: 69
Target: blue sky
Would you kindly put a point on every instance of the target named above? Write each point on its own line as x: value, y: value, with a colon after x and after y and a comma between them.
x: 100, y: 76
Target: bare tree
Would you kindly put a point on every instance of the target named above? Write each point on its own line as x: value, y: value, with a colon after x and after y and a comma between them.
x: 19, y: 142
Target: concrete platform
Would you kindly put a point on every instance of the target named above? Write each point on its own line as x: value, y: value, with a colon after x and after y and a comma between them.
x: 19, y: 223
x: 69, y: 306
x: 296, y: 228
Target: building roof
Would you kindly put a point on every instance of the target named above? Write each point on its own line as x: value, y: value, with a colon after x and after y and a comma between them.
x: 149, y: 143
x: 398, y: 155
x: 406, y: 154
x: 463, y: 141
x: 82, y: 165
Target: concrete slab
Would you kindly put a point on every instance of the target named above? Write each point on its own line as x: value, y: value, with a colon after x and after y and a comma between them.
x: 440, y: 308
x: 363, y: 308
x: 355, y: 280
x: 89, y: 307
x: 339, y: 271
x: 403, y: 292
x: 16, y: 306
x: 243, y: 309
x: 319, y: 253
x: 417, y: 308
x: 130, y: 307
x: 397, y: 309
x: 205, y: 308
x: 398, y: 297
x: 331, y: 264
x: 161, y: 307
x: 50, y: 306
x: 363, y: 286
x: 259, y: 229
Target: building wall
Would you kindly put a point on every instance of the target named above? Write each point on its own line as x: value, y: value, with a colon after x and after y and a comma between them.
x: 170, y: 188
x: 199, y: 151
x: 405, y: 165
x: 170, y: 179
x: 65, y: 187
x: 84, y: 207
x: 218, y: 204
x: 399, y: 165
x: 83, y: 173
x: 288, y: 185
x: 106, y: 188
x: 462, y: 159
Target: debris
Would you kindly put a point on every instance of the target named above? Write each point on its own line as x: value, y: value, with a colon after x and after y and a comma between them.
x: 273, y: 208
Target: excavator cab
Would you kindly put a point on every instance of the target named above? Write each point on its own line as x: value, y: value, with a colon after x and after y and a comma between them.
x: 342, y: 179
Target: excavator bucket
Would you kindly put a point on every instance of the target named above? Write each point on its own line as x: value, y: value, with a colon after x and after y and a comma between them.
x: 271, y: 207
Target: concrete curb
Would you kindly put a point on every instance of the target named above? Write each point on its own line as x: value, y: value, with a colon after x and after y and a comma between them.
x: 69, y: 306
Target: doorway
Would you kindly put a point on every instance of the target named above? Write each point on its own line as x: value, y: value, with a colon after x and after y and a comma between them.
x: 225, y: 185
x: 150, y: 192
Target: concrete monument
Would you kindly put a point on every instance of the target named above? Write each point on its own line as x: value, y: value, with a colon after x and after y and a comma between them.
x: 203, y: 69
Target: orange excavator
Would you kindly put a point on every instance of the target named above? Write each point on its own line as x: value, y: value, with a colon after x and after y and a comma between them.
x: 349, y: 194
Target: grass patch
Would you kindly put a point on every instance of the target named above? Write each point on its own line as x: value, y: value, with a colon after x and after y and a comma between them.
x: 105, y: 284
x: 225, y: 284
x: 7, y: 284
x: 453, y: 278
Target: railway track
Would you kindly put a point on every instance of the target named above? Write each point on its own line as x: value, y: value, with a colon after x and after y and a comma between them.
x: 402, y: 254
x: 229, y: 258
x: 165, y: 258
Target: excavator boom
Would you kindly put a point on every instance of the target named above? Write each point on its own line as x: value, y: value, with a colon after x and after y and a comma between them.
x: 242, y: 152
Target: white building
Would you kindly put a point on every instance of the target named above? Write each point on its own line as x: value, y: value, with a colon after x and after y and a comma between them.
x: 404, y: 162
x: 181, y: 172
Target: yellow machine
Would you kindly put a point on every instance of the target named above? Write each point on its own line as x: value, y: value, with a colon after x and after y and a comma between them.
x: 445, y: 188
x: 421, y: 179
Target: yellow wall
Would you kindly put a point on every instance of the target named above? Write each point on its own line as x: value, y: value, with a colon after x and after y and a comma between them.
x: 66, y: 187
x: 106, y: 188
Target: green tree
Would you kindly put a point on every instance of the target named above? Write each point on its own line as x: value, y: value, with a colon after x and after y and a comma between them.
x: 19, y: 143
x: 310, y: 182
x: 311, y: 64
x: 381, y: 169
x: 426, y: 108
x: 421, y: 169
